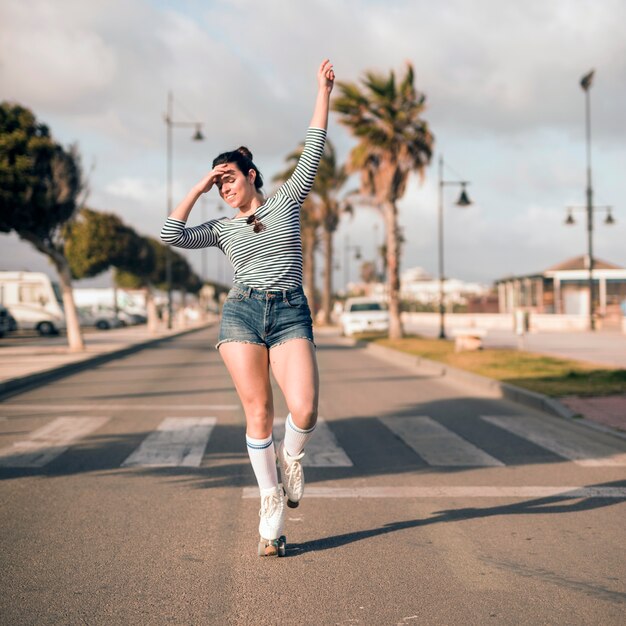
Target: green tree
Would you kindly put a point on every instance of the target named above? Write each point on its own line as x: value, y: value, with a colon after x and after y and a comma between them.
x: 39, y: 185
x: 96, y: 241
x: 392, y: 141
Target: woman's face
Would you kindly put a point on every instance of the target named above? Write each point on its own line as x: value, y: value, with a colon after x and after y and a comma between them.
x: 235, y: 187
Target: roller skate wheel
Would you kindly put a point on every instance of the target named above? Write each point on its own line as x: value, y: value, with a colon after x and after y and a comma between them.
x: 292, y: 505
x: 282, y: 545
x: 268, y: 547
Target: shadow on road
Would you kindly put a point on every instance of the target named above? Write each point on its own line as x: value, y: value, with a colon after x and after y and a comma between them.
x: 376, y: 390
x: 561, y: 503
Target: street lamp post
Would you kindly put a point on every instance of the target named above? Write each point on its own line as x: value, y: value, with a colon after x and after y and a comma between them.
x: 197, y: 136
x: 585, y: 83
x: 463, y: 201
x: 609, y: 221
x: 347, y: 249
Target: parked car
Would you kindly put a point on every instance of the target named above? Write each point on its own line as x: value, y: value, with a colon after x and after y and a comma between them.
x: 34, y: 300
x: 131, y: 319
x: 12, y: 321
x: 102, y: 319
x: 364, y: 315
x: 5, y: 321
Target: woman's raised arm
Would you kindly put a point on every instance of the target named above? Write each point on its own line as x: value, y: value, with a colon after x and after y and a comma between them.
x: 325, y: 82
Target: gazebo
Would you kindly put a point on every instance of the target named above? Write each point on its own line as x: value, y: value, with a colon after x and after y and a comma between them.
x: 564, y: 289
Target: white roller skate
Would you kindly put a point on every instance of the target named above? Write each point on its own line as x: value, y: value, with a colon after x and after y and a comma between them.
x: 291, y: 474
x: 272, y: 514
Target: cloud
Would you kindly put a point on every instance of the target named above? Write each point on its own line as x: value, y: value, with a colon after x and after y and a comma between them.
x: 501, y: 80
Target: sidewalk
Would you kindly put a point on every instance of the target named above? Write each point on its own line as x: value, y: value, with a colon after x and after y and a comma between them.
x: 603, y: 348
x: 35, y: 361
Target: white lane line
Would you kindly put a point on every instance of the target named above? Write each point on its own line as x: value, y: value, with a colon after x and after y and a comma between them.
x: 322, y: 450
x: 178, y: 441
x: 48, y: 442
x: 454, y: 492
x: 436, y: 444
x: 120, y: 407
x: 562, y: 441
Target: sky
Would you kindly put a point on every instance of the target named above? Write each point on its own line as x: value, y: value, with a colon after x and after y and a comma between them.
x: 503, y: 100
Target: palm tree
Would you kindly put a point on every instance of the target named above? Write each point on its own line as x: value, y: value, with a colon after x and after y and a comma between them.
x: 329, y: 180
x: 328, y: 209
x: 309, y: 225
x: 393, y: 141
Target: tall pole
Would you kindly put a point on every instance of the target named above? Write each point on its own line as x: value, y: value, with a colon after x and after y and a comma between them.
x: 346, y: 262
x: 168, y: 252
x: 170, y: 123
x: 586, y: 84
x: 463, y: 201
x: 442, y: 330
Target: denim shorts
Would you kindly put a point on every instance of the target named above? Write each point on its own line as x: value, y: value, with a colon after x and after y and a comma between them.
x: 265, y: 318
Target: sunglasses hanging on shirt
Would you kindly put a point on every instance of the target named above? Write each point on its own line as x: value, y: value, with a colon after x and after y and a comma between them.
x: 258, y: 225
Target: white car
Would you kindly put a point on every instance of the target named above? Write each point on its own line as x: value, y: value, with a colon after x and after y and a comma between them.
x: 101, y: 318
x: 364, y: 315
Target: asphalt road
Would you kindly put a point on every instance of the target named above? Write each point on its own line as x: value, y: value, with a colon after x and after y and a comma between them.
x: 426, y: 503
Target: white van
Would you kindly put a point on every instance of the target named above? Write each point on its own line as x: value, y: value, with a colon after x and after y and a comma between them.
x: 33, y: 300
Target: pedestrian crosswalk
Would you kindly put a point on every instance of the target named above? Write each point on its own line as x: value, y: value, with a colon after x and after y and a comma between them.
x: 178, y: 441
x: 438, y: 445
x: 546, y: 434
x: 185, y: 442
x: 48, y: 442
x: 322, y: 449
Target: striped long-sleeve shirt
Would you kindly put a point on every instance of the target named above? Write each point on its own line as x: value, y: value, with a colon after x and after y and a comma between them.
x: 271, y: 258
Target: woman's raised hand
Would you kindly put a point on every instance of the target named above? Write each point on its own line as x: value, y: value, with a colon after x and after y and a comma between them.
x: 211, y: 178
x: 326, y: 76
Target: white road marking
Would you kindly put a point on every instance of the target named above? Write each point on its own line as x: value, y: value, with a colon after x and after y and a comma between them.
x: 322, y: 450
x: 48, y: 442
x: 120, y: 407
x: 437, y: 445
x: 581, y: 449
x: 178, y: 441
x: 454, y: 492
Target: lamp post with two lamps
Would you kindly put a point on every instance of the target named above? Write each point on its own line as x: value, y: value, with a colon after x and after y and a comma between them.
x: 609, y: 221
x: 463, y: 201
x: 197, y: 136
x: 585, y: 83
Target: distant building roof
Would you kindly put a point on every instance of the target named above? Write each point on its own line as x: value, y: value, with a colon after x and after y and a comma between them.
x: 582, y: 263
x: 415, y: 274
x: 577, y: 264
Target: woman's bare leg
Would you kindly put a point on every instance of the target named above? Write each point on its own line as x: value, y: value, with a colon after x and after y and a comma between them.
x: 248, y: 366
x: 295, y: 368
x: 249, y: 369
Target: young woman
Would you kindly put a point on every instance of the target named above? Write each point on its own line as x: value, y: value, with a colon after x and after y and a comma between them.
x: 266, y: 320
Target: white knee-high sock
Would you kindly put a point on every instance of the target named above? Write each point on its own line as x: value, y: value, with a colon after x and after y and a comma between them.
x: 263, y: 458
x: 295, y: 437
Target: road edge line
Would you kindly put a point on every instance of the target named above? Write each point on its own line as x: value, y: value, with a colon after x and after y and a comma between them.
x: 525, y: 397
x: 21, y: 384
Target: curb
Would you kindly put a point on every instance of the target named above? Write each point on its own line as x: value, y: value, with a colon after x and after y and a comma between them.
x: 14, y: 386
x: 498, y: 389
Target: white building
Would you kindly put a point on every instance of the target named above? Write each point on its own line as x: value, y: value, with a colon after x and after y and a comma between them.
x: 564, y: 289
x: 418, y: 286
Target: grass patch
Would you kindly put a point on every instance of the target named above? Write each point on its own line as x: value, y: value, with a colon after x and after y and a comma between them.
x: 544, y: 374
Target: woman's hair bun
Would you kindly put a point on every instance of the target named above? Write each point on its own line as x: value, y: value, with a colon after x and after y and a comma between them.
x: 243, y: 150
